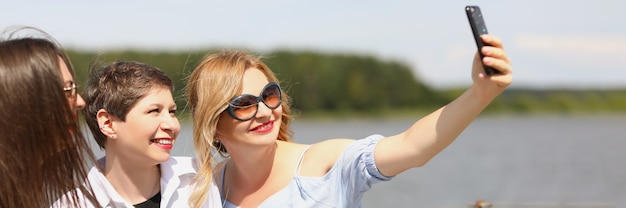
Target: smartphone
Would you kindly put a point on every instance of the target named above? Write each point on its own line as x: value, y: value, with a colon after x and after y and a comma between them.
x: 477, y: 23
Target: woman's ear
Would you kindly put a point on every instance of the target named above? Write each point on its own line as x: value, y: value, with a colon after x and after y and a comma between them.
x: 105, y: 121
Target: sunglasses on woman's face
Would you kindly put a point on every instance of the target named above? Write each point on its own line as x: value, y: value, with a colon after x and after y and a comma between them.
x: 244, y: 107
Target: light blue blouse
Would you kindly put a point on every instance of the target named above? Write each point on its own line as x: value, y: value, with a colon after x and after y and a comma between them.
x: 343, y: 186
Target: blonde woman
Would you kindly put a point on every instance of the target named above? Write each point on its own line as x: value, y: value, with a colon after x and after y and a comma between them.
x: 239, y: 108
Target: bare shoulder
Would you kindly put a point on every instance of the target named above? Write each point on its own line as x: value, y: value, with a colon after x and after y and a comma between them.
x: 291, y: 148
x: 321, y: 156
x: 331, y: 146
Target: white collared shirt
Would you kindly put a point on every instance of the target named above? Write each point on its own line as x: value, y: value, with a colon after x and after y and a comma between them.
x: 176, y: 177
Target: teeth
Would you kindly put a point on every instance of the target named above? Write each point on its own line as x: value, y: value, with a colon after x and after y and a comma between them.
x: 263, y: 127
x: 163, y: 141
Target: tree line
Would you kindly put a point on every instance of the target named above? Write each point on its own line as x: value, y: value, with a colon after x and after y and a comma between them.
x: 359, y: 84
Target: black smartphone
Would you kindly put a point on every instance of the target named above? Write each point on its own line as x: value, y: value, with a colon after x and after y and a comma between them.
x: 477, y: 23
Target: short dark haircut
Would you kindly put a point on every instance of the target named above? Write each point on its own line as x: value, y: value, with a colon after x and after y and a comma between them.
x: 116, y: 88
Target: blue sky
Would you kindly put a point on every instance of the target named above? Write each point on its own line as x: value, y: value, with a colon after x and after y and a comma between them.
x: 556, y: 43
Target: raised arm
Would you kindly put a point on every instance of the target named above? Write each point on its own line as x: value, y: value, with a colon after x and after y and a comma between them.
x: 431, y: 134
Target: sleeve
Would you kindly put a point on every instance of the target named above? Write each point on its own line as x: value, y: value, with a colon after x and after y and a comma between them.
x: 358, y: 167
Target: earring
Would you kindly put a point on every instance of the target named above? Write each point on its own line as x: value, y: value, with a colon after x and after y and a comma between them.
x: 219, y: 147
x: 216, y: 143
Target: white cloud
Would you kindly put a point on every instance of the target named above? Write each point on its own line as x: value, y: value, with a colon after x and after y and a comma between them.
x: 577, y: 52
x: 599, y: 46
x: 570, y: 59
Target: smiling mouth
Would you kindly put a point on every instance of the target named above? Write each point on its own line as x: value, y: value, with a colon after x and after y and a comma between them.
x: 161, y: 141
x: 263, y: 127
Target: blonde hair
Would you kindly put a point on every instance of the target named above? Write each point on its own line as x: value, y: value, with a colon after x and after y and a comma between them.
x: 217, y: 79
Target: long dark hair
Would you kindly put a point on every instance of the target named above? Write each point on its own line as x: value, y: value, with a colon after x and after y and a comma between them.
x: 43, y: 156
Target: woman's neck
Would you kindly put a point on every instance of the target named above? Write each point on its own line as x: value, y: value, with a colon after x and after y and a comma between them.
x: 135, y: 183
x: 251, y: 166
x: 249, y: 179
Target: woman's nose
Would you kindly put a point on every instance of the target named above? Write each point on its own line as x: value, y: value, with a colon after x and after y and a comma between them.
x: 170, y: 122
x: 79, y: 103
x: 263, y: 110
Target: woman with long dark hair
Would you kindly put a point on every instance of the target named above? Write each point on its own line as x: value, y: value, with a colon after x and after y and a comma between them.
x: 44, y: 155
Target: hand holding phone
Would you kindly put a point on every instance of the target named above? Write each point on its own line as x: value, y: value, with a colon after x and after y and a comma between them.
x: 477, y: 23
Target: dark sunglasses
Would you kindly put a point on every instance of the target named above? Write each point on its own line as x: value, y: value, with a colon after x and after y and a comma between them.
x: 244, y: 107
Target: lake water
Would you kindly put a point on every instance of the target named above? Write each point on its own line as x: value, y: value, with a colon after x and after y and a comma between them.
x: 511, y: 161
